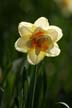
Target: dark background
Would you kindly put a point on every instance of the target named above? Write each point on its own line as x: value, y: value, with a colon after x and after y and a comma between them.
x: 58, y: 69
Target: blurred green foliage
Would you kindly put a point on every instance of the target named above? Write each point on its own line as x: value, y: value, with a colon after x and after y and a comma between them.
x: 54, y: 75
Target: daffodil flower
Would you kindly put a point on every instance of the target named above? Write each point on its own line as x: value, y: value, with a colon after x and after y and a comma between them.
x: 38, y: 40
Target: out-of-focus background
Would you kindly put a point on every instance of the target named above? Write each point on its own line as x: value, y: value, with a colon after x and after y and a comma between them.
x: 58, y: 70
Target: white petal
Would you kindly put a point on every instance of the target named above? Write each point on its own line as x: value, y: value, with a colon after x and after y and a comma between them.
x: 55, y: 33
x: 25, y: 28
x: 33, y: 58
x: 55, y: 51
x: 42, y: 22
x: 21, y: 45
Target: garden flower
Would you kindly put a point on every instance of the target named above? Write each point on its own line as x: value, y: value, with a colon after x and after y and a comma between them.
x: 66, y: 6
x: 38, y: 40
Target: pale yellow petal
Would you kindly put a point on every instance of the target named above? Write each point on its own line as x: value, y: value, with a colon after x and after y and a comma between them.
x: 42, y: 22
x: 25, y: 29
x: 55, y: 33
x: 55, y: 51
x: 21, y: 45
x: 33, y: 58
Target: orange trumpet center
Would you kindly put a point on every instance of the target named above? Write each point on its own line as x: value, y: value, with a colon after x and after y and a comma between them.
x: 39, y: 41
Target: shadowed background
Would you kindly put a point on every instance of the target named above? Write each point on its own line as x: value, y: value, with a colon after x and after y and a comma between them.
x: 57, y: 79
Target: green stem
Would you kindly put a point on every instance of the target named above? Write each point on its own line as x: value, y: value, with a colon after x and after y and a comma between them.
x: 35, y: 80
x: 23, y: 104
x: 23, y: 71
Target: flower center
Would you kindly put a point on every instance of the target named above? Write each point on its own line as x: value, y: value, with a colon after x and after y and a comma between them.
x: 39, y: 41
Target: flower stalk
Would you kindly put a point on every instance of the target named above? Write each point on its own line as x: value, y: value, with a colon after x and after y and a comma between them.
x: 34, y: 86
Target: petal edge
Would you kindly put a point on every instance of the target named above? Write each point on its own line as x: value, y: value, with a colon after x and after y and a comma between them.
x: 21, y: 46
x: 42, y: 22
x: 55, y: 51
x: 25, y: 28
x: 55, y: 33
